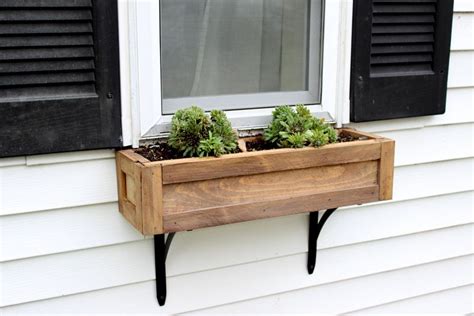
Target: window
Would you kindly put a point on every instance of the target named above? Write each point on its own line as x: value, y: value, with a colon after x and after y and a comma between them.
x: 231, y: 54
x: 242, y: 56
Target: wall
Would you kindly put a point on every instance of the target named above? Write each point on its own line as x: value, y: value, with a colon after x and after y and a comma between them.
x: 65, y: 248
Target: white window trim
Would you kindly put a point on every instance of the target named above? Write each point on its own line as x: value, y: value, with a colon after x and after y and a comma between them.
x: 141, y: 105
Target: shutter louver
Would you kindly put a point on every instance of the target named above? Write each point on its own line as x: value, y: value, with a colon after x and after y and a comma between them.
x: 400, y: 58
x: 402, y: 38
x: 58, y: 62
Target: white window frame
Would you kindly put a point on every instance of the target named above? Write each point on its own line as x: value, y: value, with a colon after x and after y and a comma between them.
x: 141, y: 77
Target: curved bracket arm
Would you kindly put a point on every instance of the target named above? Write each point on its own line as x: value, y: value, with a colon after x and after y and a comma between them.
x: 315, y: 227
x: 162, y: 247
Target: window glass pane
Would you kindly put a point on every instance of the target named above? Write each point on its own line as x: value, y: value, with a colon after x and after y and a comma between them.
x: 223, y: 47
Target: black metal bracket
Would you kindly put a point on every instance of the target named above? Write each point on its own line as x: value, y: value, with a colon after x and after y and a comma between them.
x: 162, y: 247
x: 315, y: 227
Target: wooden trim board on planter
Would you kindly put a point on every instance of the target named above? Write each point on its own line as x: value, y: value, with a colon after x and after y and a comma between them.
x: 184, y: 194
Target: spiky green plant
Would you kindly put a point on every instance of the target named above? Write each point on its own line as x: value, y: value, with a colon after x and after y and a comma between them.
x: 221, y: 127
x: 195, y: 134
x: 292, y: 128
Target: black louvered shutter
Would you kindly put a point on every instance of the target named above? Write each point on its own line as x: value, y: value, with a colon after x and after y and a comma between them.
x: 400, y: 58
x: 59, y: 76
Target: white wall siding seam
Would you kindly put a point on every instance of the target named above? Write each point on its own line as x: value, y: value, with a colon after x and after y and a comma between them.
x: 69, y: 157
x: 349, y: 297
x: 103, y: 270
x: 369, y: 310
x: 34, y: 234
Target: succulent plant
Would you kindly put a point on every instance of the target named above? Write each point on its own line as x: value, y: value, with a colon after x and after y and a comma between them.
x: 296, y: 128
x: 196, y: 134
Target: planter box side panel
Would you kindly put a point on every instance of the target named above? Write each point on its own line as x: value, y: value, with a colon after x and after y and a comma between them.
x: 129, y: 177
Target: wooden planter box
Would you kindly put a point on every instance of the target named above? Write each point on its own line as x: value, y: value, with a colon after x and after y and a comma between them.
x: 178, y: 195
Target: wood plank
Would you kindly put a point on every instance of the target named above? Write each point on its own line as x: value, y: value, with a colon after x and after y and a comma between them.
x: 196, y: 169
x: 386, y: 170
x: 278, y: 207
x: 357, y: 133
x: 130, y: 154
x: 152, y: 201
x: 272, y: 186
x: 121, y: 180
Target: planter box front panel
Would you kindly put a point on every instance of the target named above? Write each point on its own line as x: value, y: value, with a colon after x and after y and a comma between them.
x: 236, y: 199
x: 177, y: 195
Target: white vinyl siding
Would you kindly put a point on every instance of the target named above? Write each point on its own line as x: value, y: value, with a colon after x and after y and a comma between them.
x: 65, y: 248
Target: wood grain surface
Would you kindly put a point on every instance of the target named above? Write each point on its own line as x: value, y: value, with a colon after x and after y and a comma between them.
x: 387, y: 161
x: 182, y: 197
x: 277, y: 207
x: 196, y: 169
x: 130, y: 188
x: 177, y: 195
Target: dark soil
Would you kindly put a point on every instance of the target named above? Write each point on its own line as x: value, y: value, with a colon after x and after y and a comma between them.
x: 158, y: 152
x: 259, y: 144
x: 344, y: 138
x: 162, y: 151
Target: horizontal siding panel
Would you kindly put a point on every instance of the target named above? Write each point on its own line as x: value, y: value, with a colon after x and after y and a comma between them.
x: 462, y: 40
x: 9, y: 162
x: 42, y: 233
x: 455, y: 140
x: 463, y: 6
x: 62, y: 230
x: 460, y: 69
x: 349, y: 297
x: 69, y: 157
x: 418, y: 181
x: 69, y: 273
x: 138, y: 298
x: 57, y: 186
x: 457, y: 301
